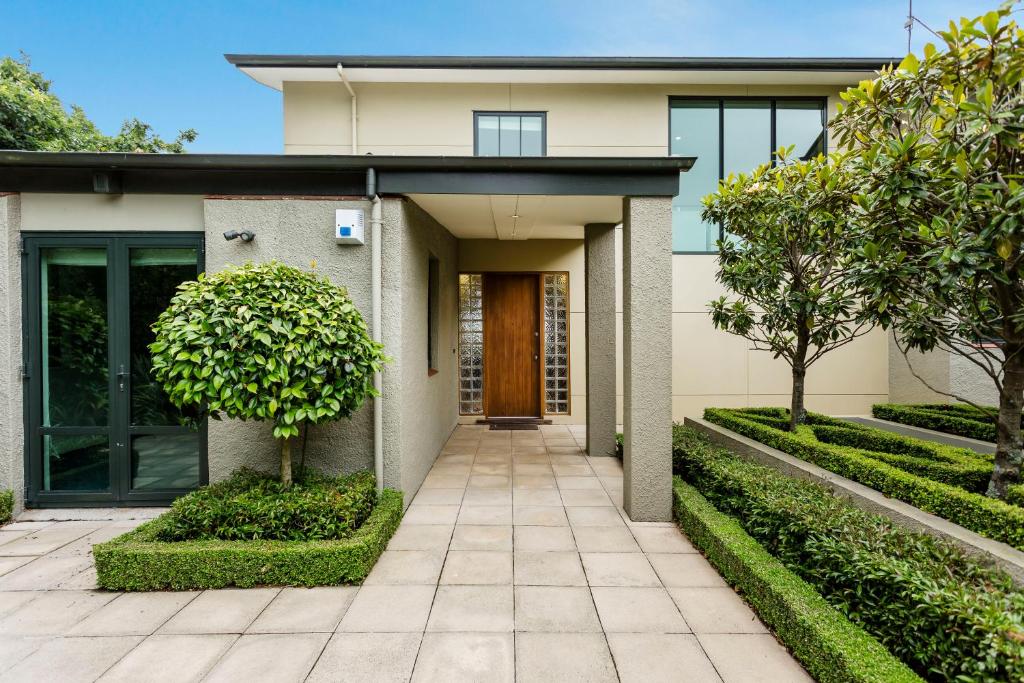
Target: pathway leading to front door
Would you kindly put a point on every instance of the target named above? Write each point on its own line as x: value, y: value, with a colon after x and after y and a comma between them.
x: 514, y: 562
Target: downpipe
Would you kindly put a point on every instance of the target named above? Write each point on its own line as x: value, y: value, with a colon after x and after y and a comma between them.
x: 376, y: 325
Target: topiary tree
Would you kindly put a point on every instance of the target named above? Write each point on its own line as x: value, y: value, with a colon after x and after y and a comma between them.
x: 266, y: 342
x: 939, y: 159
x: 790, y: 265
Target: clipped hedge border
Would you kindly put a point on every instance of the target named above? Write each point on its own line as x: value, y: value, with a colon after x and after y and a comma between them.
x: 6, y: 505
x: 829, y: 645
x: 989, y: 517
x: 136, y: 561
x: 927, y: 416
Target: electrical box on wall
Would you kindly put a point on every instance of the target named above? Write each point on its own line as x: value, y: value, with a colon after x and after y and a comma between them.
x: 348, y: 226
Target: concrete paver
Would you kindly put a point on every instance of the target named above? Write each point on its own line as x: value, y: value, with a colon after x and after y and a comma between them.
x: 515, y: 561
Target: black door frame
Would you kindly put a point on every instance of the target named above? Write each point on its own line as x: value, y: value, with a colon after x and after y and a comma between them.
x: 117, y: 247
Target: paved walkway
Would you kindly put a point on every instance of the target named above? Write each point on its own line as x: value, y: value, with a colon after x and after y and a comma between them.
x: 514, y: 562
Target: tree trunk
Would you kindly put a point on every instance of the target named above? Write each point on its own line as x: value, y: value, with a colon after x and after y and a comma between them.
x: 1009, y: 452
x: 286, y: 462
x: 797, y: 412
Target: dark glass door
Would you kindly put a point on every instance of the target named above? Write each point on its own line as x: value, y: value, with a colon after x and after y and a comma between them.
x: 99, y: 429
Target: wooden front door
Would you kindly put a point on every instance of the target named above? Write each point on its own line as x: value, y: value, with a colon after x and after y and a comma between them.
x: 511, y: 303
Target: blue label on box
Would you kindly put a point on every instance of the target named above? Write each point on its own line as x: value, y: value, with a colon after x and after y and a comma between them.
x: 344, y: 231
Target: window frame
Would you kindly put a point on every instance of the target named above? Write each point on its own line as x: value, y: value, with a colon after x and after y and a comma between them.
x: 772, y: 147
x: 543, y: 131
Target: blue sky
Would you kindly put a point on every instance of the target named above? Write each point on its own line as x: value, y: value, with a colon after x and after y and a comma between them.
x: 162, y: 61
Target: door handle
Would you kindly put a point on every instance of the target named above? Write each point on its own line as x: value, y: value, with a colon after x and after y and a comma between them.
x: 122, y: 378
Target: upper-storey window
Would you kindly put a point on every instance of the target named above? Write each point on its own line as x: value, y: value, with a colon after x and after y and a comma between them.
x: 732, y: 135
x: 509, y: 134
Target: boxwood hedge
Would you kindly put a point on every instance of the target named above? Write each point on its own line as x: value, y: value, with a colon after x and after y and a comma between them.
x: 6, y: 506
x: 828, y: 644
x: 899, y: 475
x: 139, y: 561
x: 939, y: 611
x: 959, y: 420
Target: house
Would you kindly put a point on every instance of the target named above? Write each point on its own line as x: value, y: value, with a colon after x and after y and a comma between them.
x: 523, y: 234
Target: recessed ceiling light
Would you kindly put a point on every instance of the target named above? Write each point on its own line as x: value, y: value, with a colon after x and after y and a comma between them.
x: 515, y: 215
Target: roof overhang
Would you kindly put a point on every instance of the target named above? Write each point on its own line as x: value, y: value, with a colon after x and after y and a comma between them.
x: 274, y: 70
x: 333, y: 175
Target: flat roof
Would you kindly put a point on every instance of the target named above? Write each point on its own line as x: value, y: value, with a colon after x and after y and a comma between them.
x: 274, y: 70
x: 287, y: 174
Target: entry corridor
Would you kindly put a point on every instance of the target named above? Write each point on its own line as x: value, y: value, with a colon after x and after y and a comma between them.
x: 515, y: 562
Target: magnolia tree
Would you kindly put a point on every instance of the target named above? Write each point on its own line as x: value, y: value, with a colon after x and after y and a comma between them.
x: 266, y: 342
x: 939, y: 161
x: 789, y: 267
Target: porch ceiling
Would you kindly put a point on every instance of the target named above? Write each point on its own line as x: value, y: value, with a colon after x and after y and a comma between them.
x: 519, y: 217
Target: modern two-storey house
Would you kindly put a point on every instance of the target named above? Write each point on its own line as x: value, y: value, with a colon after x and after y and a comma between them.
x: 523, y: 234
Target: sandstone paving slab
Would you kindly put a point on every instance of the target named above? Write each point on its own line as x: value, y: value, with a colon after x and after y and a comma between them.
x: 170, y: 659
x: 53, y: 612
x: 70, y: 660
x: 550, y: 657
x: 13, y: 649
x: 477, y: 567
x: 662, y: 540
x: 619, y: 569
x: 133, y: 614
x: 549, y: 569
x: 269, y: 657
x: 421, y: 537
x: 465, y: 657
x: 685, y: 570
x: 752, y: 658
x: 9, y: 564
x: 367, y: 658
x: 482, y: 537
x: 45, y: 540
x: 12, y: 600
x: 661, y: 658
x: 605, y: 539
x: 9, y: 536
x: 305, y: 610
x: 388, y: 609
x: 544, y: 538
x: 716, y: 610
x: 637, y: 610
x: 404, y: 567
x: 228, y: 610
x: 555, y: 609
x: 44, y: 573
x: 472, y: 608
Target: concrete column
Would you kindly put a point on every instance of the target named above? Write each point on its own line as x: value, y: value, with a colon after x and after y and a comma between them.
x: 647, y: 357
x: 599, y: 264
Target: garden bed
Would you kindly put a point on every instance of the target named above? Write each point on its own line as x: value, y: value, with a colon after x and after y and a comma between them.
x: 248, y: 532
x: 956, y: 419
x: 967, y: 620
x: 945, y: 481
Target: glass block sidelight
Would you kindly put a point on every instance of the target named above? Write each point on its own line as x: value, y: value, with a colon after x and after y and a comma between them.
x: 471, y: 345
x: 556, y: 343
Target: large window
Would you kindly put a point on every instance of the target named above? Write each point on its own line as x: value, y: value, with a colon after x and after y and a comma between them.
x: 732, y: 135
x: 509, y: 134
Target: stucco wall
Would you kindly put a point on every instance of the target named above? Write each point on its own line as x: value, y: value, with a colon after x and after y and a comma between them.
x: 424, y: 403
x: 905, y: 388
x: 104, y: 213
x: 437, y: 118
x: 12, y: 468
x: 296, y: 232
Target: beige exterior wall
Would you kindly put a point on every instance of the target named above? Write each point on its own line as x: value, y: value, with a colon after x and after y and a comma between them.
x: 100, y: 212
x: 437, y: 118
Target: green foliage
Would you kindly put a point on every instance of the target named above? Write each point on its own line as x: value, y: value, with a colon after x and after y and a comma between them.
x: 251, y: 505
x: 961, y: 420
x: 937, y: 153
x: 829, y: 645
x: 33, y: 118
x: 139, y: 561
x: 889, y: 474
x: 6, y: 505
x: 790, y: 264
x: 619, y: 443
x: 967, y: 621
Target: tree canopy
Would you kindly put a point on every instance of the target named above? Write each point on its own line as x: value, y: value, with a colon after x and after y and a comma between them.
x: 33, y: 118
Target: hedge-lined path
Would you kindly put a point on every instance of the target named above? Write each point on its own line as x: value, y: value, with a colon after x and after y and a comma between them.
x: 922, y: 433
x: 515, y: 561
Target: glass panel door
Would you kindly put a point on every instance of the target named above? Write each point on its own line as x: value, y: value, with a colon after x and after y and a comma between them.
x: 100, y: 429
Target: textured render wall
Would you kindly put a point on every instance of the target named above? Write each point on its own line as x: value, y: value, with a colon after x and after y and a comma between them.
x: 905, y: 388
x: 12, y: 444
x: 647, y: 355
x: 296, y: 232
x: 103, y: 213
x: 425, y: 403
x: 543, y: 255
x: 970, y: 382
x: 601, y: 331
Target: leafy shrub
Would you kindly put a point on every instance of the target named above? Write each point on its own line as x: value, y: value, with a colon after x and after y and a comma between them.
x: 959, y: 420
x: 619, y: 443
x: 987, y: 516
x: 139, y: 561
x: 266, y: 342
x: 967, y: 621
x: 6, y: 506
x: 252, y: 505
x: 828, y: 644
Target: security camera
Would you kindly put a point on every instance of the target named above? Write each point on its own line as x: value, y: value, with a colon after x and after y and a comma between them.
x: 246, y: 235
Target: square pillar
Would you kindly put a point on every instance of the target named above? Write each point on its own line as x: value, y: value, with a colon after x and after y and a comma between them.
x: 599, y: 264
x: 647, y: 358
